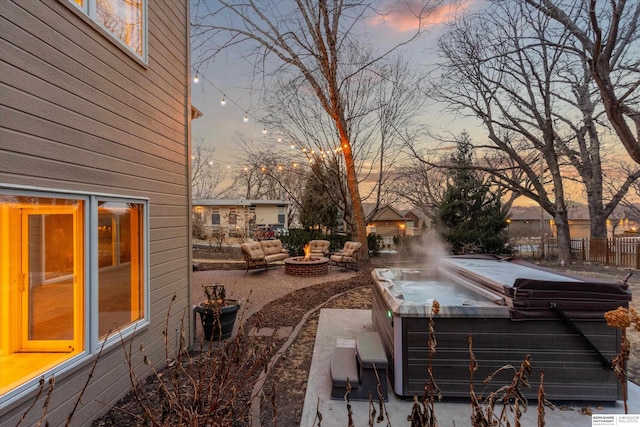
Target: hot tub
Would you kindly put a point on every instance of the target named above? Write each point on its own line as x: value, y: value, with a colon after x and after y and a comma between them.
x: 511, y: 309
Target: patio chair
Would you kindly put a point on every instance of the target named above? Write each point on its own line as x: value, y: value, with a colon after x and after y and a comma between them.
x: 348, y: 257
x: 253, y: 255
x: 319, y: 247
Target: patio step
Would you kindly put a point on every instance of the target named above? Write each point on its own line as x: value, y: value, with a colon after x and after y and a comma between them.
x: 344, y: 370
x: 363, y: 367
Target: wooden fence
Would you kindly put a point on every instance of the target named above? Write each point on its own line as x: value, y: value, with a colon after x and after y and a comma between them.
x: 617, y: 251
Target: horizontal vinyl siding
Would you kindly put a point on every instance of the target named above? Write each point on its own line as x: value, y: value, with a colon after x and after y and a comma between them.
x: 78, y: 113
x: 101, y: 75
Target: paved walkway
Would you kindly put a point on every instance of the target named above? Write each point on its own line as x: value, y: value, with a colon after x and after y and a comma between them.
x: 257, y: 288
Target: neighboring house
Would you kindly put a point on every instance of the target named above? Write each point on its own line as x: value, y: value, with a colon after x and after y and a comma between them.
x: 417, y: 221
x: 387, y: 222
x: 94, y: 198
x: 524, y: 221
x: 239, y: 217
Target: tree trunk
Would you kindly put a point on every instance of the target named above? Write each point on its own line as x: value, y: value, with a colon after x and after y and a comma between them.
x: 598, y: 226
x: 564, y: 238
x: 360, y: 229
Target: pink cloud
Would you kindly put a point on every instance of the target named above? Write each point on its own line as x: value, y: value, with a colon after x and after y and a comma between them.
x: 401, y: 16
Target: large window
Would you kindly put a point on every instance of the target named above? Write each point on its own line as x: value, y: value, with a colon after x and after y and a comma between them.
x: 46, y: 242
x: 119, y: 261
x: 124, y: 19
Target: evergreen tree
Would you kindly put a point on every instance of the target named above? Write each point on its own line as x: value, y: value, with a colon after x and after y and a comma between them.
x: 471, y: 216
x: 317, y: 208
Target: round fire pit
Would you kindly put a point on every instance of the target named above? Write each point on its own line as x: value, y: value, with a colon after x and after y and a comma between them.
x: 299, y: 266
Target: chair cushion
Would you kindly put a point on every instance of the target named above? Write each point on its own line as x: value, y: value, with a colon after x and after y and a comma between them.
x: 276, y: 257
x: 271, y: 247
x: 350, y: 248
x: 253, y: 250
x: 342, y: 258
x: 319, y: 246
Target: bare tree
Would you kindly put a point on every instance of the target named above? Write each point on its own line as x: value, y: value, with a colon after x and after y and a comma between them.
x: 400, y: 101
x: 311, y: 39
x: 503, y: 68
x: 379, y: 103
x: 267, y: 174
x: 421, y: 183
x: 605, y: 35
x: 207, y: 176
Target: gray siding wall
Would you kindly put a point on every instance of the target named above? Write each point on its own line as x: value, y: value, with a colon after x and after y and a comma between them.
x: 77, y: 112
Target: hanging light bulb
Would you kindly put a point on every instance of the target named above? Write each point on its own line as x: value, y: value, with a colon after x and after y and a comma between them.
x: 264, y: 131
x: 246, y: 118
x: 293, y: 146
x: 223, y: 101
x: 279, y: 139
x: 196, y: 78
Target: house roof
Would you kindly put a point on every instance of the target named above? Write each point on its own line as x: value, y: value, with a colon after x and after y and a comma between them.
x: 238, y: 202
x: 387, y: 213
x: 195, y: 113
x: 418, y: 213
x: 527, y: 213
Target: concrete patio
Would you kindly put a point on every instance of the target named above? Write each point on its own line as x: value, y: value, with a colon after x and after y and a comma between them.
x: 346, y: 324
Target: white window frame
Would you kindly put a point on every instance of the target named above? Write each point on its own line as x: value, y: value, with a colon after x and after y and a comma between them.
x: 92, y: 342
x: 89, y: 8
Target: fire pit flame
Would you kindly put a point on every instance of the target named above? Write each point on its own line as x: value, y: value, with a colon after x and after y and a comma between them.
x: 307, y: 252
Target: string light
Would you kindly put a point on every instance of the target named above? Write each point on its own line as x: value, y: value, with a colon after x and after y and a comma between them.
x: 245, y: 119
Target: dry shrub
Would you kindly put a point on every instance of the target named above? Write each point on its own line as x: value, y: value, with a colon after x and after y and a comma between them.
x: 623, y: 318
x: 212, y: 386
x: 509, y: 396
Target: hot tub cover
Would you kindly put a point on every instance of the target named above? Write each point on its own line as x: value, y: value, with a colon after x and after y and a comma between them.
x: 534, y: 292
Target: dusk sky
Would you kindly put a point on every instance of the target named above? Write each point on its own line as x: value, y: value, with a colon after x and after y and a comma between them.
x: 230, y: 76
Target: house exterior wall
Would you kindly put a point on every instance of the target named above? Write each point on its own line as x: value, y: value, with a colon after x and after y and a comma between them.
x: 267, y: 214
x: 80, y: 113
x: 249, y: 214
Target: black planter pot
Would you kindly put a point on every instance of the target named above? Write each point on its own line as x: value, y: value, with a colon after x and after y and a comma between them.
x: 217, y: 323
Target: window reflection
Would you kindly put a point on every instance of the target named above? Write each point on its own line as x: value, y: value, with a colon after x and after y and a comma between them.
x: 123, y: 18
x: 120, y: 265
